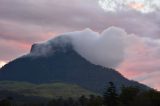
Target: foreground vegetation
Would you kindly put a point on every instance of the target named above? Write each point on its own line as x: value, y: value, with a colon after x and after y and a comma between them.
x: 129, y: 96
x: 48, y: 91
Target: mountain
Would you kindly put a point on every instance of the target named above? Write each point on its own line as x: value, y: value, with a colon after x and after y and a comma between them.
x: 57, y: 61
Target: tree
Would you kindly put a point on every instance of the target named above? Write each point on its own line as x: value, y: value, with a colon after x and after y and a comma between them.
x: 154, y: 97
x: 70, y: 102
x: 53, y: 102
x: 5, y: 102
x: 110, y: 96
x: 128, y: 94
x: 95, y: 101
x: 83, y: 101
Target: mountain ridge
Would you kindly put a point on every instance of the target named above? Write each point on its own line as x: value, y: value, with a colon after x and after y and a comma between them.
x: 57, y: 61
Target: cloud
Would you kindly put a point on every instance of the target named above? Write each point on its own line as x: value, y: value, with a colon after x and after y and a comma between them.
x: 10, y: 49
x: 105, y: 49
x: 61, y: 16
x: 144, y: 6
x: 142, y: 61
x: 15, y: 31
x: 112, y: 47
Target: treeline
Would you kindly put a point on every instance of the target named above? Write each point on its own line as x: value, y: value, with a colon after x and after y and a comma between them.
x: 129, y: 96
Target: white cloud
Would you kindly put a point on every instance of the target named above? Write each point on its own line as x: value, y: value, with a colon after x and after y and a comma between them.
x: 105, y: 49
x: 144, y: 6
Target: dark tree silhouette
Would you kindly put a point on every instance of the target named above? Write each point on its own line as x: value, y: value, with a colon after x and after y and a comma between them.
x: 110, y: 96
x: 5, y: 102
x: 83, y: 101
x: 95, y: 101
x: 128, y: 94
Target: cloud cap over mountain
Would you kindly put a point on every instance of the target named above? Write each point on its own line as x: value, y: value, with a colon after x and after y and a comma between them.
x: 105, y: 49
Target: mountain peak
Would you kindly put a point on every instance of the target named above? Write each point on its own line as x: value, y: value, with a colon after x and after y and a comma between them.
x: 62, y: 43
x: 59, y: 44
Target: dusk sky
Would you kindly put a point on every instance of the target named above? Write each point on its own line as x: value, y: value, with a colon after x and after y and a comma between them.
x: 24, y: 22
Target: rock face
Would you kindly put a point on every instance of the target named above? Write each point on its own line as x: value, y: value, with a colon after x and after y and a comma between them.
x: 57, y: 61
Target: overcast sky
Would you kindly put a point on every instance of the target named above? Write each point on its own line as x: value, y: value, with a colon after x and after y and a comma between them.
x: 24, y: 22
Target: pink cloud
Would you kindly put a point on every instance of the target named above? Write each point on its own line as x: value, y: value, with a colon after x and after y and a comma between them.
x: 142, y: 61
x: 13, y: 48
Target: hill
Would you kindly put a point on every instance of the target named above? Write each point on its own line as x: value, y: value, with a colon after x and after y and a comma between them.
x: 47, y: 91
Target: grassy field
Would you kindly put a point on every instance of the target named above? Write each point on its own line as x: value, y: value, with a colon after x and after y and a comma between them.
x: 51, y: 90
